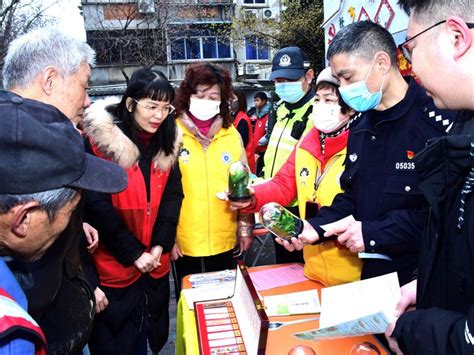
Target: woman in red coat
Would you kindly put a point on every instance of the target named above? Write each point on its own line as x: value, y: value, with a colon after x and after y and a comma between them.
x: 137, y: 226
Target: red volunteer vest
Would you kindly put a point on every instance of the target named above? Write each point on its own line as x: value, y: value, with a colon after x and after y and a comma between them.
x: 250, y: 148
x: 259, y: 132
x: 140, y: 216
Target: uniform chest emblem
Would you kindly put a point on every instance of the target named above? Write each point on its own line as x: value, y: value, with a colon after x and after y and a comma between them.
x: 406, y: 165
x: 184, y: 155
x: 353, y: 157
x: 304, y: 173
x: 226, y: 158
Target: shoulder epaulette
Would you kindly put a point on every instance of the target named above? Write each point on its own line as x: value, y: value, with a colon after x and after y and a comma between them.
x: 443, y: 119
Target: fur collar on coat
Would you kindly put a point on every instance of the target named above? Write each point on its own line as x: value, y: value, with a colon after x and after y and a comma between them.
x: 100, y: 126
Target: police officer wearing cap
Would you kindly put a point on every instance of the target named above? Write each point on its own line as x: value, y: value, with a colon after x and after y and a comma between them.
x: 293, y: 77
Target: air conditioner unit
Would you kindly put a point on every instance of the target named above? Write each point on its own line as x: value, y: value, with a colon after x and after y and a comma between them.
x: 268, y: 14
x: 146, y: 6
x: 252, y: 69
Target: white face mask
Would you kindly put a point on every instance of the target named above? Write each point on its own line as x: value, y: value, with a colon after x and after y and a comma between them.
x: 326, y: 117
x: 204, y: 109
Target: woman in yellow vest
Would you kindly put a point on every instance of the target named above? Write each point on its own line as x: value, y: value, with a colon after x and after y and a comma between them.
x: 312, y: 174
x: 208, y: 230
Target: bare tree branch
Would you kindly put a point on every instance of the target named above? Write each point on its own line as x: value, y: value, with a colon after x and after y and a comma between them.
x: 18, y: 17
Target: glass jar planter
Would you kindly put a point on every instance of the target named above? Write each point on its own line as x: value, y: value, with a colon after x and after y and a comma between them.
x: 281, y: 222
x: 239, y: 173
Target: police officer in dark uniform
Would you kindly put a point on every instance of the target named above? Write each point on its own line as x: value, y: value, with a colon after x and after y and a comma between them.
x: 379, y: 182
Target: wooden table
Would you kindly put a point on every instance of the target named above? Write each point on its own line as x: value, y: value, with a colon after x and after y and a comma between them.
x: 279, y: 341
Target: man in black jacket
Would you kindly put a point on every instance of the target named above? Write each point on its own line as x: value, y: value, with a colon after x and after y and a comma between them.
x: 379, y: 181
x: 440, y: 45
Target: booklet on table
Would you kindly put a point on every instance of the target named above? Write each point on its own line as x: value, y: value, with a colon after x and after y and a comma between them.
x: 304, y: 302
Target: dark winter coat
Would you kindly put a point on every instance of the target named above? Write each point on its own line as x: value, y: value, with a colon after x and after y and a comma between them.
x: 380, y: 183
x: 444, y: 320
x: 58, y: 291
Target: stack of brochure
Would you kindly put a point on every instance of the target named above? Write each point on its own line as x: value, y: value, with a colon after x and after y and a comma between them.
x: 212, y: 278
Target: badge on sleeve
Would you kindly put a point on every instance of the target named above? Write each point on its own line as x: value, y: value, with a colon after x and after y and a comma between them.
x: 226, y: 158
x: 353, y: 157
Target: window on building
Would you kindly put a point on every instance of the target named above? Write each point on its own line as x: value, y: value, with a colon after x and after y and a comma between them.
x: 127, y: 46
x: 193, y: 48
x: 254, y: 1
x: 209, y: 47
x: 256, y: 48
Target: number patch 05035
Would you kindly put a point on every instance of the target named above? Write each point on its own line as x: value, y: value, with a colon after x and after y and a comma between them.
x: 407, y: 165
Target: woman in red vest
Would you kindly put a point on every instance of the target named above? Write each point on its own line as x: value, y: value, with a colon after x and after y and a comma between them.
x: 137, y: 227
x: 242, y: 122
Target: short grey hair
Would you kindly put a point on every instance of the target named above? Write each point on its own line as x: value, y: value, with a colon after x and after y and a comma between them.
x: 50, y: 201
x: 431, y: 11
x: 31, y: 53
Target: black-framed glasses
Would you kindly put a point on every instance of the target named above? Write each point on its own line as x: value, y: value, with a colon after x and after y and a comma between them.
x: 407, y: 51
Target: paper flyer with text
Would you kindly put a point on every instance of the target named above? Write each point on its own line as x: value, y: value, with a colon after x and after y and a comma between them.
x: 357, y: 308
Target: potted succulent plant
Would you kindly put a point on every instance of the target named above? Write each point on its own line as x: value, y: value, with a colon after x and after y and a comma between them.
x: 280, y: 221
x: 239, y: 173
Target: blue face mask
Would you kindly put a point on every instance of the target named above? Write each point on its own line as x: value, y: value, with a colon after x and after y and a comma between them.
x: 290, y: 91
x: 358, y: 96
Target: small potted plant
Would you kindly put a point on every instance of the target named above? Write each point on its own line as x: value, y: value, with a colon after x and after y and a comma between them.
x: 280, y: 221
x: 239, y: 173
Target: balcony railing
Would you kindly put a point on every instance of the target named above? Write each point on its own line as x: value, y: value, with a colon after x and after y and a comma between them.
x: 200, y: 14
